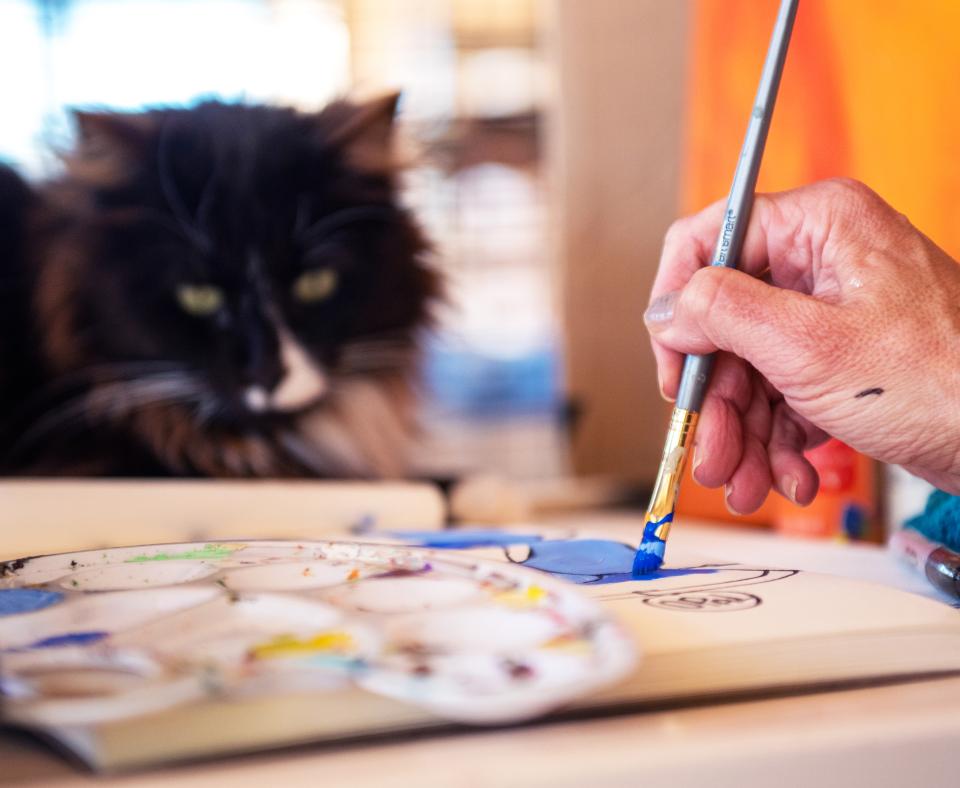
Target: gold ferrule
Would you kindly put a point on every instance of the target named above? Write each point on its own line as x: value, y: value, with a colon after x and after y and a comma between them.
x: 664, y: 498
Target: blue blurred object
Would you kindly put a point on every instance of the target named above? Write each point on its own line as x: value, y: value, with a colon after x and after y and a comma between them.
x: 470, y: 385
x: 940, y: 520
x: 853, y: 521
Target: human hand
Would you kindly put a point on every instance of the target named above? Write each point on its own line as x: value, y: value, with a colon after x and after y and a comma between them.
x: 852, y: 332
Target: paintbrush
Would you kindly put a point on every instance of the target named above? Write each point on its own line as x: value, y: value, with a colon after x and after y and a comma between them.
x: 696, y: 369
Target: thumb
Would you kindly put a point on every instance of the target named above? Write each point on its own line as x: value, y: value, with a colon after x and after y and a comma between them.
x: 725, y: 309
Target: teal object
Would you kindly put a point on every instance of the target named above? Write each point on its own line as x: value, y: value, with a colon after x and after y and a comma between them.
x: 940, y: 521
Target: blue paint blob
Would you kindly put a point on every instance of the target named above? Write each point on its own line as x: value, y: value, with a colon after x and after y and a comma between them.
x: 594, y: 562
x: 454, y: 539
x: 582, y: 561
x: 588, y: 559
x: 69, y: 639
x: 26, y: 600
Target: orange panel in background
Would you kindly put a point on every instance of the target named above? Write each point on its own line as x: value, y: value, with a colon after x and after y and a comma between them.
x: 869, y: 92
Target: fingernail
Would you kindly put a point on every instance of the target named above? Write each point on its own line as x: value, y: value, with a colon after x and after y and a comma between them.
x: 663, y: 391
x: 727, y: 492
x: 697, y: 462
x: 661, y: 308
x: 789, y: 486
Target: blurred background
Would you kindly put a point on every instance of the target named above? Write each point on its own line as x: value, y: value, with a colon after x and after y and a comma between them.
x: 556, y: 141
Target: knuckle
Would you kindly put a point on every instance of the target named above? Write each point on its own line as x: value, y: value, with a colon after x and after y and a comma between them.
x: 850, y: 189
x: 854, y: 209
x: 902, y: 219
x: 847, y: 185
x: 851, y: 199
x: 703, y: 291
x: 678, y: 230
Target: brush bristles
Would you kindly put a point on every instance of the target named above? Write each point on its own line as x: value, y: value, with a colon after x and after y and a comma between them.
x: 649, y: 558
x: 650, y: 553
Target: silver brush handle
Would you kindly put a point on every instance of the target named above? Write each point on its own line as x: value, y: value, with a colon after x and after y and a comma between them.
x: 696, y: 369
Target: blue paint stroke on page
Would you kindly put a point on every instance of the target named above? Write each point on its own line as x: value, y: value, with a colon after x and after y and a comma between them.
x: 583, y: 561
x: 70, y: 639
x: 454, y: 539
x: 25, y: 600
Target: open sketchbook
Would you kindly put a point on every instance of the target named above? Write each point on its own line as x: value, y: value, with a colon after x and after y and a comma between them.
x: 514, y: 625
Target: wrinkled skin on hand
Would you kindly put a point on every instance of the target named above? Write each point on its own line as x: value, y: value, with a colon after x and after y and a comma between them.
x: 843, y: 320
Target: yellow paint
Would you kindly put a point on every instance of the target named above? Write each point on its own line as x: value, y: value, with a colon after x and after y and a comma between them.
x: 571, y: 645
x: 282, y: 646
x: 531, y: 596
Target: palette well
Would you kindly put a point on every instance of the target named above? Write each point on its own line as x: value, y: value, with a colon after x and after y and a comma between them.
x: 102, y: 636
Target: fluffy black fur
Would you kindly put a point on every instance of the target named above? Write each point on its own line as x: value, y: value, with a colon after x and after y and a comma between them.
x: 103, y: 370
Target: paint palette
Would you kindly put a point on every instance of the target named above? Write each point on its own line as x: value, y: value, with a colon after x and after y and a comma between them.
x: 105, y: 636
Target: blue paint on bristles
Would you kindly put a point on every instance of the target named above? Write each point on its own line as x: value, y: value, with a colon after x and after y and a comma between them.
x: 649, y: 557
x: 650, y: 553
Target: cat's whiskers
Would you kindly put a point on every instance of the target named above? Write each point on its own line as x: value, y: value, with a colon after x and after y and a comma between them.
x: 81, y: 379
x: 206, y: 409
x: 120, y: 398
x: 116, y: 371
x: 68, y: 414
x: 110, y: 400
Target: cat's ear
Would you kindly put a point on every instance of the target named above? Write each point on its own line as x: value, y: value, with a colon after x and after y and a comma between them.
x: 107, y: 144
x: 364, y: 131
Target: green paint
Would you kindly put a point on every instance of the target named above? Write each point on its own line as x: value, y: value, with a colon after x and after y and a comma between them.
x: 209, y: 552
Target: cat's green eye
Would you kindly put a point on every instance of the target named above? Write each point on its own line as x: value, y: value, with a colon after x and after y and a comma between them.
x: 200, y: 300
x: 315, y: 286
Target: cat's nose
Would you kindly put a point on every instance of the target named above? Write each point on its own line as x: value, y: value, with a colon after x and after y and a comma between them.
x: 301, y: 382
x: 263, y: 367
x: 256, y: 398
x: 280, y: 375
x: 265, y: 374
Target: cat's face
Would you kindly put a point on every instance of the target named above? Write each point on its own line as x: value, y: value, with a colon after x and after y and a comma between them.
x: 237, y: 262
x: 256, y: 252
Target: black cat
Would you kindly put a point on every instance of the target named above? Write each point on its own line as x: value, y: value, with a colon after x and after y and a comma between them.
x: 223, y: 290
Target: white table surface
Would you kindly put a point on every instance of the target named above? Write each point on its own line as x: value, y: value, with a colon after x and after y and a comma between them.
x: 895, y: 735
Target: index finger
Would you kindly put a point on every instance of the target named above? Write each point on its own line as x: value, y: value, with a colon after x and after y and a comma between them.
x: 772, y: 241
x: 687, y: 246
x: 787, y: 233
